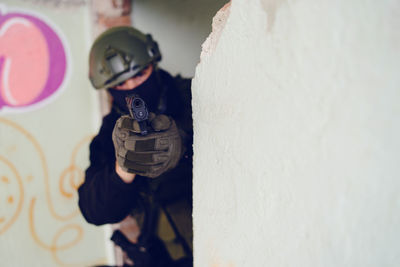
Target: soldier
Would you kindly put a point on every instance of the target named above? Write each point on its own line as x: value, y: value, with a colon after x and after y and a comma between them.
x: 132, y: 174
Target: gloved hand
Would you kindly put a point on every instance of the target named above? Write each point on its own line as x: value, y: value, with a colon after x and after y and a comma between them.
x: 150, y: 155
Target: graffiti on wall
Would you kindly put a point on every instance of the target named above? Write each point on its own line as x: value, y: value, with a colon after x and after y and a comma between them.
x: 18, y: 196
x: 33, y: 61
x: 37, y: 202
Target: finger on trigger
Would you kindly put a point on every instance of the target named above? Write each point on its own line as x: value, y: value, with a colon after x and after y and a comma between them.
x: 135, y: 127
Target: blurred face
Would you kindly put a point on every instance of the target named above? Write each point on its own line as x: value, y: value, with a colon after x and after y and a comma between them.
x: 136, y: 80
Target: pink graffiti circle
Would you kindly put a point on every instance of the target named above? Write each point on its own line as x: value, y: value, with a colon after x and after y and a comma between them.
x: 33, y: 61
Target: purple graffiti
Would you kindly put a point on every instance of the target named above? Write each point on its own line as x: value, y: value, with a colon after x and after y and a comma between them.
x: 33, y: 60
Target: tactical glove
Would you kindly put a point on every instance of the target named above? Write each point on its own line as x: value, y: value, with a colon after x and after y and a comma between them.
x: 148, y: 155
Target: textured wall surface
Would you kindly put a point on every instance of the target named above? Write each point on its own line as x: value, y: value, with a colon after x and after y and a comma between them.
x: 47, y: 110
x: 296, y: 116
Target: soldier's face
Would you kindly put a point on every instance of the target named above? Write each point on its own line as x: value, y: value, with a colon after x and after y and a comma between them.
x: 136, y: 80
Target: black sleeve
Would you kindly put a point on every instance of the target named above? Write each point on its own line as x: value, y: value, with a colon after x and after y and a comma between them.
x: 104, y: 197
x: 184, y: 115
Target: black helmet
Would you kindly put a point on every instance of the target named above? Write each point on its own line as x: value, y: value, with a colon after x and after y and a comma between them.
x: 120, y: 53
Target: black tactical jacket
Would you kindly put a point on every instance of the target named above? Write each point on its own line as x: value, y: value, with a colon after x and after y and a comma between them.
x: 105, y: 198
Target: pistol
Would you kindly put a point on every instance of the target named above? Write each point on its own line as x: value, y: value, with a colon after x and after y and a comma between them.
x: 138, y: 111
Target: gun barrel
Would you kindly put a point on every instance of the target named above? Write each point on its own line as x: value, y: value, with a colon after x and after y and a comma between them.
x: 138, y: 111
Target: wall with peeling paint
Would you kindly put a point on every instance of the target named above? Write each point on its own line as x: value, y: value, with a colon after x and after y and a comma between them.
x: 296, y: 116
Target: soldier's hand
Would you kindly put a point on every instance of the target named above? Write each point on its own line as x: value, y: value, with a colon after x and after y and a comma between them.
x: 150, y: 155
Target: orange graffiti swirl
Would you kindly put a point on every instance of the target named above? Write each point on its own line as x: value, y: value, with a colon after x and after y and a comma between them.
x: 43, y: 244
x: 71, y: 177
x: 55, y: 247
x: 73, y: 173
x: 21, y: 191
x: 42, y: 158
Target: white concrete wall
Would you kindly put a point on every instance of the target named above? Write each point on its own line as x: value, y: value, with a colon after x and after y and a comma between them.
x: 297, y: 125
x: 179, y: 26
